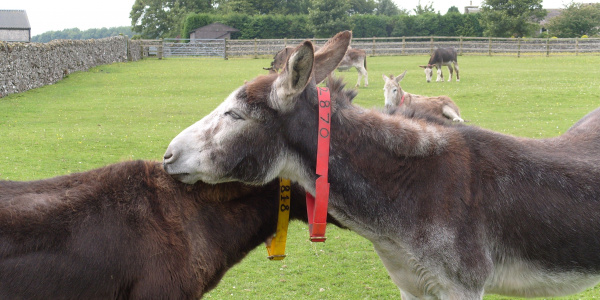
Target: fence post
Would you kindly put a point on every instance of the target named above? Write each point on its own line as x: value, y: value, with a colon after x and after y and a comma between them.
x: 490, y: 47
x: 547, y: 47
x: 403, y: 44
x: 576, y: 46
x: 519, y: 48
x: 285, y: 42
x: 373, y: 46
x: 461, y: 46
x: 159, y: 51
x: 255, y: 49
x: 431, y: 46
x: 225, y: 46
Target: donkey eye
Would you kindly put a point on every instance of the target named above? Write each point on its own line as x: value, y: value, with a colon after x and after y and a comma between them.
x: 234, y: 115
x: 394, y: 90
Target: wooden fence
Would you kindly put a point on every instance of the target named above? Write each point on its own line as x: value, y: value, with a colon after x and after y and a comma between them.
x: 393, y: 46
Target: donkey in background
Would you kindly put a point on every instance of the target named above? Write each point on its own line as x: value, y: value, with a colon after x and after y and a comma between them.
x: 356, y: 58
x: 395, y: 96
x: 441, y: 57
x: 129, y: 231
x: 453, y: 212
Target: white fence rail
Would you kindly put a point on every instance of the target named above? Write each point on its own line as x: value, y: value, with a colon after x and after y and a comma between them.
x: 380, y: 46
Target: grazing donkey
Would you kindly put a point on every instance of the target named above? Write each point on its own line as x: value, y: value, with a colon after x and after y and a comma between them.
x: 396, y: 97
x: 453, y: 211
x: 441, y: 57
x: 129, y: 231
x: 354, y: 58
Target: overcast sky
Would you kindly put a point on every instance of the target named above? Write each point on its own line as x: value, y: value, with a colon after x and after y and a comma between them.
x: 46, y: 15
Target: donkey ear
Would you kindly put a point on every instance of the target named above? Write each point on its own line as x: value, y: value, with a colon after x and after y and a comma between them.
x: 331, y: 54
x: 385, y: 78
x: 296, y: 74
x: 424, y: 67
x: 399, y: 78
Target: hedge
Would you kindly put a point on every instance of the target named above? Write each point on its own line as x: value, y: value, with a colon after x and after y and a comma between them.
x: 300, y: 26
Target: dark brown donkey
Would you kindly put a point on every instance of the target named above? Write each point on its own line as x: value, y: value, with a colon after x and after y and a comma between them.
x: 453, y: 211
x: 129, y: 231
x: 441, y: 57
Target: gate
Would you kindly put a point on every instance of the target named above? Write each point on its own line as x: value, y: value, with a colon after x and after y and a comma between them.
x: 195, y: 47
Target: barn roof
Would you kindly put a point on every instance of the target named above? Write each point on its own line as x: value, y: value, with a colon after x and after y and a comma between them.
x: 216, y: 27
x: 14, y: 19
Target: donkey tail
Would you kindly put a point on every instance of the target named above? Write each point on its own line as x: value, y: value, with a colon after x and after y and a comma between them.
x: 365, y: 62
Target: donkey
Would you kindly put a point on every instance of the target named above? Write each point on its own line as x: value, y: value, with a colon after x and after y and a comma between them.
x: 441, y: 57
x: 129, y: 231
x: 452, y: 211
x: 356, y: 58
x: 396, y: 97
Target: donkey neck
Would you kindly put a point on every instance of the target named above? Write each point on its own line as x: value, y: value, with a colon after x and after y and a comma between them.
x: 408, y: 97
x: 396, y: 135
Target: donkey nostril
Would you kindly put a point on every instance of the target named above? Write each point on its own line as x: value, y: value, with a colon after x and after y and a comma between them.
x: 169, y: 155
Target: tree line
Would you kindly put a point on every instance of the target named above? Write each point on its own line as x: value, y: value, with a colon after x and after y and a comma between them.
x: 367, y: 18
x: 76, y: 34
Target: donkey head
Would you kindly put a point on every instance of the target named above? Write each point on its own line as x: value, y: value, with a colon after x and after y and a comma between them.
x: 392, y: 90
x: 428, y: 72
x: 247, y: 137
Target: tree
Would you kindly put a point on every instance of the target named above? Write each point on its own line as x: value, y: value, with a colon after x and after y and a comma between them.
x: 164, y: 18
x: 575, y: 20
x: 387, y: 8
x: 329, y: 17
x: 453, y: 9
x: 76, y: 34
x: 427, y: 9
x: 264, y: 7
x: 505, y: 18
x: 362, y: 6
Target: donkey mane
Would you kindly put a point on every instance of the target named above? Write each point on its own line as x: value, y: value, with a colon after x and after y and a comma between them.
x: 395, y: 133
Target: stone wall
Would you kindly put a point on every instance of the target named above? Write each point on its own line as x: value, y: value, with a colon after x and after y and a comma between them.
x: 24, y: 66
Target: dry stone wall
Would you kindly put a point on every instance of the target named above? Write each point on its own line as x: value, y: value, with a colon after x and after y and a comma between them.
x: 24, y: 66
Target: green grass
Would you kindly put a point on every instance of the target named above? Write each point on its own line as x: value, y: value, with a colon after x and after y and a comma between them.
x: 132, y: 111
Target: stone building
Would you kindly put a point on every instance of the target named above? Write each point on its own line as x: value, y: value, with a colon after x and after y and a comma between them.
x: 212, y: 31
x: 14, y: 26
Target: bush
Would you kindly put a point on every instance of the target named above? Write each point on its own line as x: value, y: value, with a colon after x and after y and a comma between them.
x: 276, y: 26
x: 251, y: 27
x: 369, y: 25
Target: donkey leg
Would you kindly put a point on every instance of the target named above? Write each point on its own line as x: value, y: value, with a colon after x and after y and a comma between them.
x: 451, y: 70
x: 456, y: 68
x: 451, y: 114
x: 365, y: 74
x: 440, y: 75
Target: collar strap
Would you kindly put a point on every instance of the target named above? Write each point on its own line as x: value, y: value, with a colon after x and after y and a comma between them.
x: 316, y: 206
x: 402, y: 100
x: 276, y: 244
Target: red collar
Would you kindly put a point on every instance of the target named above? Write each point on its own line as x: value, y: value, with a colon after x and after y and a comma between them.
x: 402, y: 100
x: 317, y: 206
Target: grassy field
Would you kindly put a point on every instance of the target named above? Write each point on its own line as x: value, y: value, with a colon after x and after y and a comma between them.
x: 132, y: 111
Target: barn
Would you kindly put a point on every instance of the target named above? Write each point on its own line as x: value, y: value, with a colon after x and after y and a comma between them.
x: 14, y: 26
x: 212, y: 31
